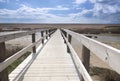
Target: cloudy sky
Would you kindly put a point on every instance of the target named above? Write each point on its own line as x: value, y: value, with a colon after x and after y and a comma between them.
x: 60, y: 11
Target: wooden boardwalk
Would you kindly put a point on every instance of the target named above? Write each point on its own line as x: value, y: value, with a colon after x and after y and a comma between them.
x: 53, y: 63
x: 54, y: 60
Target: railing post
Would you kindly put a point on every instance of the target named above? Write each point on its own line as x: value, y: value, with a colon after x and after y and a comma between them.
x: 69, y: 40
x: 49, y: 32
x: 46, y: 34
x: 65, y: 35
x: 33, y: 40
x: 86, y: 57
x: 4, y: 73
x: 81, y: 78
x: 42, y: 32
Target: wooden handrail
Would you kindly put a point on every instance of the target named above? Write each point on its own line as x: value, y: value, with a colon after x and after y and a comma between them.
x: 5, y: 36
x: 105, y: 52
x: 4, y: 63
x: 83, y: 74
x: 17, y: 55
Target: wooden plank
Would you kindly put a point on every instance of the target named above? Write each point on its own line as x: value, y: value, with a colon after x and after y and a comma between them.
x: 105, y: 52
x: 42, y: 34
x: 80, y: 66
x: 46, y: 34
x: 21, y: 69
x: 49, y: 32
x: 16, y: 34
x: 86, y: 58
x: 83, y: 74
x: 53, y: 63
x: 12, y: 35
x: 69, y: 40
x: 33, y: 41
x: 4, y: 73
x: 14, y: 57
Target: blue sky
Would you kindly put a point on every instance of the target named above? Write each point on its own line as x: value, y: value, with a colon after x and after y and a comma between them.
x: 60, y: 11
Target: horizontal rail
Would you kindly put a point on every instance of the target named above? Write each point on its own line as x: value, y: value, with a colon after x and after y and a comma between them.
x: 5, y: 36
x: 105, y: 52
x: 17, y: 55
x: 80, y: 67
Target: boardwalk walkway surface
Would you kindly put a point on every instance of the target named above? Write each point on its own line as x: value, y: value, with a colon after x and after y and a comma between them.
x: 53, y: 63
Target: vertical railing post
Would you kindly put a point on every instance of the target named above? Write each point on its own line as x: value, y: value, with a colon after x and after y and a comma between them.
x: 65, y: 35
x: 49, y: 32
x: 42, y: 33
x: 86, y: 57
x: 81, y: 78
x: 69, y: 40
x: 4, y: 73
x: 33, y: 40
x: 46, y: 34
x: 62, y: 33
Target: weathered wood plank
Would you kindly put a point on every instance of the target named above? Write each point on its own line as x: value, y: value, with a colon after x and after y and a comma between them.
x: 86, y: 58
x: 53, y: 63
x: 46, y: 34
x: 83, y: 74
x: 4, y: 73
x: 69, y: 40
x: 33, y: 41
x: 105, y: 52
x: 16, y: 34
x: 42, y: 34
x: 14, y: 57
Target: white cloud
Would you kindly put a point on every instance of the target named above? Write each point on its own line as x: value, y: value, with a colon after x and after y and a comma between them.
x: 81, y: 17
x: 60, y: 8
x: 33, y: 14
x: 80, y: 1
x: 92, y: 1
x: 28, y: 14
x: 40, y: 10
x: 106, y: 8
x: 43, y: 15
x: 80, y: 14
x: 103, y: 11
x: 4, y: 1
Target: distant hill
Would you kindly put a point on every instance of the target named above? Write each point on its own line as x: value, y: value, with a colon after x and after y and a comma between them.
x: 114, y: 26
x: 112, y: 29
x: 47, y: 25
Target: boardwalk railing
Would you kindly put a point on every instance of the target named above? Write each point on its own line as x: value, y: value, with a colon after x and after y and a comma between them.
x: 107, y: 53
x: 6, y: 61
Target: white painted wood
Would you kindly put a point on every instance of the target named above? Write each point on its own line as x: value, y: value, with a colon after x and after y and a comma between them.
x: 20, y: 69
x: 78, y: 63
x: 105, y: 52
x: 14, y: 57
x: 16, y: 74
x: 53, y: 63
x: 16, y: 34
x: 17, y: 55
